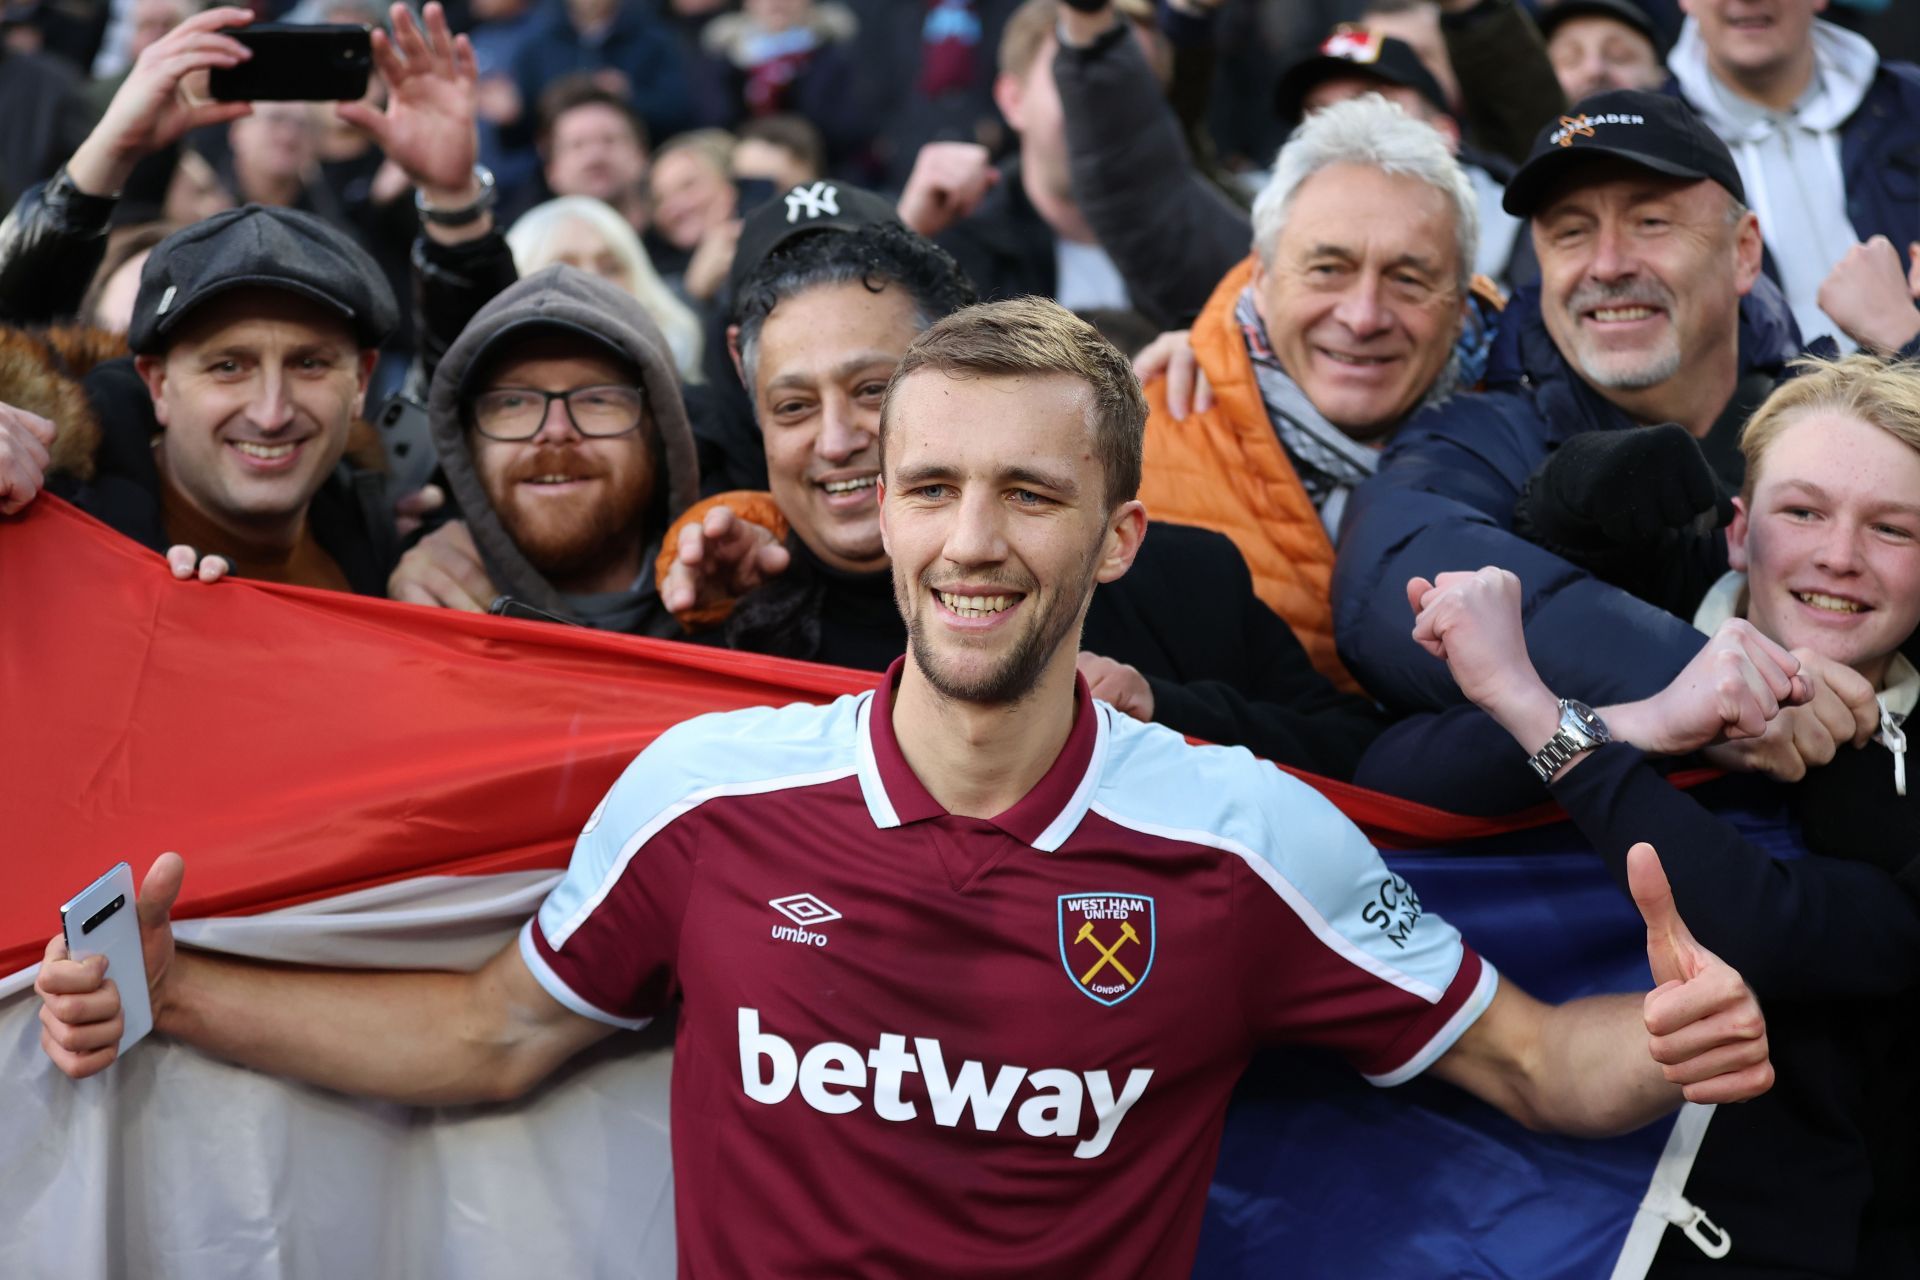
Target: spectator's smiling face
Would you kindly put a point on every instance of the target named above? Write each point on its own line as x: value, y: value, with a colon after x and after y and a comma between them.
x: 1594, y: 53
x: 690, y: 197
x: 1640, y: 274
x: 255, y: 396
x: 995, y: 514
x: 1362, y: 302
x: 1753, y: 37
x: 1830, y: 541
x: 593, y: 152
x: 820, y: 374
x: 573, y: 504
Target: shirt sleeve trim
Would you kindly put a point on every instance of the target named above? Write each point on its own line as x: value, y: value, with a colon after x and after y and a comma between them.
x: 557, y: 987
x: 1450, y: 1031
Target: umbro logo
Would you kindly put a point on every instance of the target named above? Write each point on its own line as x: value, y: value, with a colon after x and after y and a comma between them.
x: 821, y: 198
x: 803, y: 909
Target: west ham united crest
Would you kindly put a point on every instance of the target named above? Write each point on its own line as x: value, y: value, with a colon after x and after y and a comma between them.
x: 1106, y: 943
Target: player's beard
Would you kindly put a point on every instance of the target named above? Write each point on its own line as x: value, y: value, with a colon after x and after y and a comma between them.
x: 1056, y: 615
x: 571, y: 541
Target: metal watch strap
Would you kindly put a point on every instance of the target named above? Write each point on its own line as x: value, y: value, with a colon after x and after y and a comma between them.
x: 467, y: 213
x: 1553, y: 757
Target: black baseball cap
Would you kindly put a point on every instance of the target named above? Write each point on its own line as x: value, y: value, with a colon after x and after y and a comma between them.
x: 1349, y: 51
x: 260, y: 247
x: 1652, y: 130
x: 802, y: 211
x: 1622, y: 11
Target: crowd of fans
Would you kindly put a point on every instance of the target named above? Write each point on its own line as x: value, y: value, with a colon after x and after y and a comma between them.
x: 1558, y: 357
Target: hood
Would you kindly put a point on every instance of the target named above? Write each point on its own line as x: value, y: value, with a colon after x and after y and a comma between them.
x: 560, y: 297
x: 1844, y: 67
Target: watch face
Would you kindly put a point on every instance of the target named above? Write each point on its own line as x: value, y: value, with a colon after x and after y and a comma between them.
x: 1582, y: 716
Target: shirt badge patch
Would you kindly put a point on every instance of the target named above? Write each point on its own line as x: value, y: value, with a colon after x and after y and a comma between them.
x: 1106, y: 943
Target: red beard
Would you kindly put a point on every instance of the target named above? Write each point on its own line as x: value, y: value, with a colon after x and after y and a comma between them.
x: 566, y: 540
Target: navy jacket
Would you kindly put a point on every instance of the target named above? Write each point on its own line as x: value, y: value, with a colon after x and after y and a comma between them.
x: 1443, y: 499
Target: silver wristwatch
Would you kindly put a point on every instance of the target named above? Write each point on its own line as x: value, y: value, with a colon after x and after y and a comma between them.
x: 1580, y: 730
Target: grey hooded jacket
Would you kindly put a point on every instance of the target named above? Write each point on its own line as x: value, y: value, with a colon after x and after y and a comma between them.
x: 567, y: 299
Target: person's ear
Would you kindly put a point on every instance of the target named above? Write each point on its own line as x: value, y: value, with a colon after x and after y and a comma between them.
x: 1737, y: 536
x: 880, y: 498
x: 733, y: 354
x: 364, y: 377
x: 1126, y: 530
x: 153, y: 372
x: 1749, y: 253
x: 1010, y: 95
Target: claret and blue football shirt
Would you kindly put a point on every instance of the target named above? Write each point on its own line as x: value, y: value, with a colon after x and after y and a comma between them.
x: 919, y: 1044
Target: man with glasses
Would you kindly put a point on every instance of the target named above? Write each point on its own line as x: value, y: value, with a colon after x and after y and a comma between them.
x: 560, y: 429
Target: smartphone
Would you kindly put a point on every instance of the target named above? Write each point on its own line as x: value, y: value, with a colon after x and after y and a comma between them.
x: 408, y: 437
x: 101, y: 920
x: 297, y: 62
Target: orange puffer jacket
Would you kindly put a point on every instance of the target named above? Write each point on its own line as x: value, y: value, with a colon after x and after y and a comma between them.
x: 1225, y: 470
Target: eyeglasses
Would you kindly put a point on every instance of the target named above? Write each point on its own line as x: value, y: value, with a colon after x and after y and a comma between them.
x: 517, y: 413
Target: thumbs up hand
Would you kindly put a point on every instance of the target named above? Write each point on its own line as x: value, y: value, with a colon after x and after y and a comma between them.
x: 1704, y: 1023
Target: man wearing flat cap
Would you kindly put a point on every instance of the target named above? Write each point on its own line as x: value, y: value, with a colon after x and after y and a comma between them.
x: 254, y: 333
x: 1603, y: 454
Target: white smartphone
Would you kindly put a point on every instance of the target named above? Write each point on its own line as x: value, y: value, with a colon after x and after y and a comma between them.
x: 101, y: 920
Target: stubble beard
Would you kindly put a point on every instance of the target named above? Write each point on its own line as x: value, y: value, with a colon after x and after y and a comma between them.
x: 1017, y: 674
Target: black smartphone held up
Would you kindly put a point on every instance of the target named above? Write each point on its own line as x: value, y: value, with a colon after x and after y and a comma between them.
x: 297, y: 62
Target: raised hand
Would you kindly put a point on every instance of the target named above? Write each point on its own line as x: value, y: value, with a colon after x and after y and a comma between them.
x: 1471, y: 622
x: 1704, y: 1023
x: 720, y: 559
x: 80, y: 1014
x: 1188, y: 390
x: 1871, y: 297
x: 429, y: 126
x: 948, y: 182
x: 162, y: 98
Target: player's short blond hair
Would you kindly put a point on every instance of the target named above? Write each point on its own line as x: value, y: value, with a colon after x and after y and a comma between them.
x: 1035, y: 336
x: 1885, y: 393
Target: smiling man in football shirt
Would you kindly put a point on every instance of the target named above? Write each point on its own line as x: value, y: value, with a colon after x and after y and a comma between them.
x: 966, y: 966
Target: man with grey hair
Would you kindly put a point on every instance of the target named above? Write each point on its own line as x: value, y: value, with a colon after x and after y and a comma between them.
x: 1651, y: 313
x: 1355, y: 308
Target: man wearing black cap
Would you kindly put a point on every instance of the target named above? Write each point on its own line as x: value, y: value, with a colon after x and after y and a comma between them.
x: 1651, y: 310
x: 1597, y: 45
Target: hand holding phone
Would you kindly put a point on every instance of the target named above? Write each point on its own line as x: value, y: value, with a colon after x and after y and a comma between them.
x: 83, y: 1029
x: 104, y: 920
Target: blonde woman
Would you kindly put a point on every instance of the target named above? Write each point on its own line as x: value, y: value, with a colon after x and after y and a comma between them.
x: 586, y: 233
